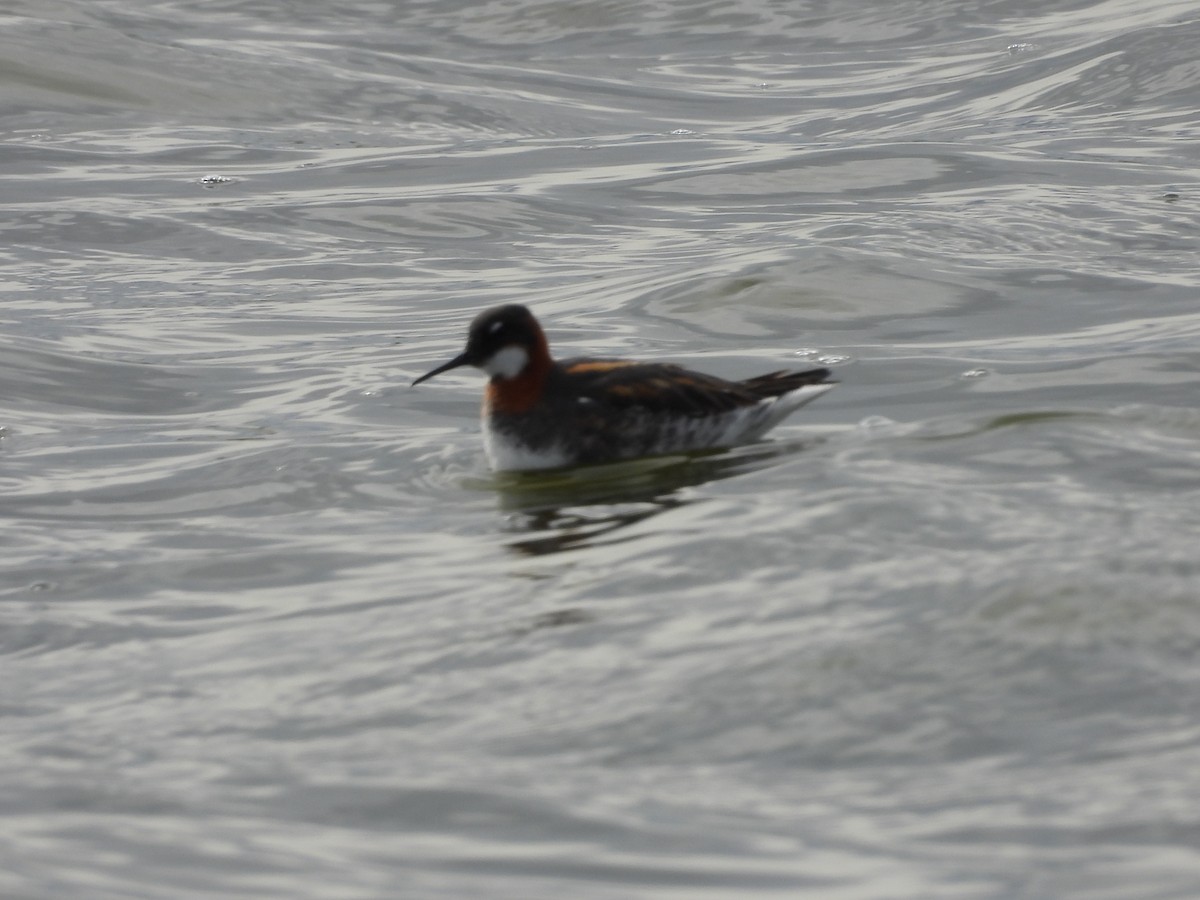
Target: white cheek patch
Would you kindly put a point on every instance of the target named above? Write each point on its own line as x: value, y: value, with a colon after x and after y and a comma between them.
x: 506, y: 363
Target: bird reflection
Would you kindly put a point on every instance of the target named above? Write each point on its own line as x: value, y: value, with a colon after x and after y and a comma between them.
x: 560, y: 529
x: 569, y: 509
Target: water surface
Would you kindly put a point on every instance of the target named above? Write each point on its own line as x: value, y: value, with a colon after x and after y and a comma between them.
x: 270, y: 627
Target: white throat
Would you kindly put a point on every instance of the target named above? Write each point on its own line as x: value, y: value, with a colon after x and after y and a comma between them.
x: 508, y: 362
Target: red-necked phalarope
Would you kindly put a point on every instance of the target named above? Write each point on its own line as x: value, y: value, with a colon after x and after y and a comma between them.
x: 539, y: 413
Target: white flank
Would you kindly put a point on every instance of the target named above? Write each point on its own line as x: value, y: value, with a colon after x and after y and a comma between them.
x: 508, y: 362
x: 742, y: 425
x: 506, y: 455
x: 766, y: 415
x: 725, y: 430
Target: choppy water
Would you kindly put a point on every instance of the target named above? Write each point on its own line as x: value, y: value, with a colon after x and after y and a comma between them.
x: 269, y: 627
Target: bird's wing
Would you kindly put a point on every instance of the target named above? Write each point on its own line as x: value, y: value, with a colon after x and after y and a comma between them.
x: 655, y: 387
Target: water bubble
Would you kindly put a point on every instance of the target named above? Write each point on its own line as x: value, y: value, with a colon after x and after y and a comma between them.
x: 683, y: 131
x: 1014, y: 49
x: 214, y: 180
x: 1171, y: 194
x: 807, y: 353
x: 834, y: 360
x: 975, y: 373
x: 874, y: 423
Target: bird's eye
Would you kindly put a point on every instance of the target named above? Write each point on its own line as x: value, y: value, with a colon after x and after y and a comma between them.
x: 495, y: 328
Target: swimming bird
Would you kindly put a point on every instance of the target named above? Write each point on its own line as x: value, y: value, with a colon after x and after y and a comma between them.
x: 542, y: 413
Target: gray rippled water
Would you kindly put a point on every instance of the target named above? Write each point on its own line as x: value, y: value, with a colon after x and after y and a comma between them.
x: 271, y: 629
